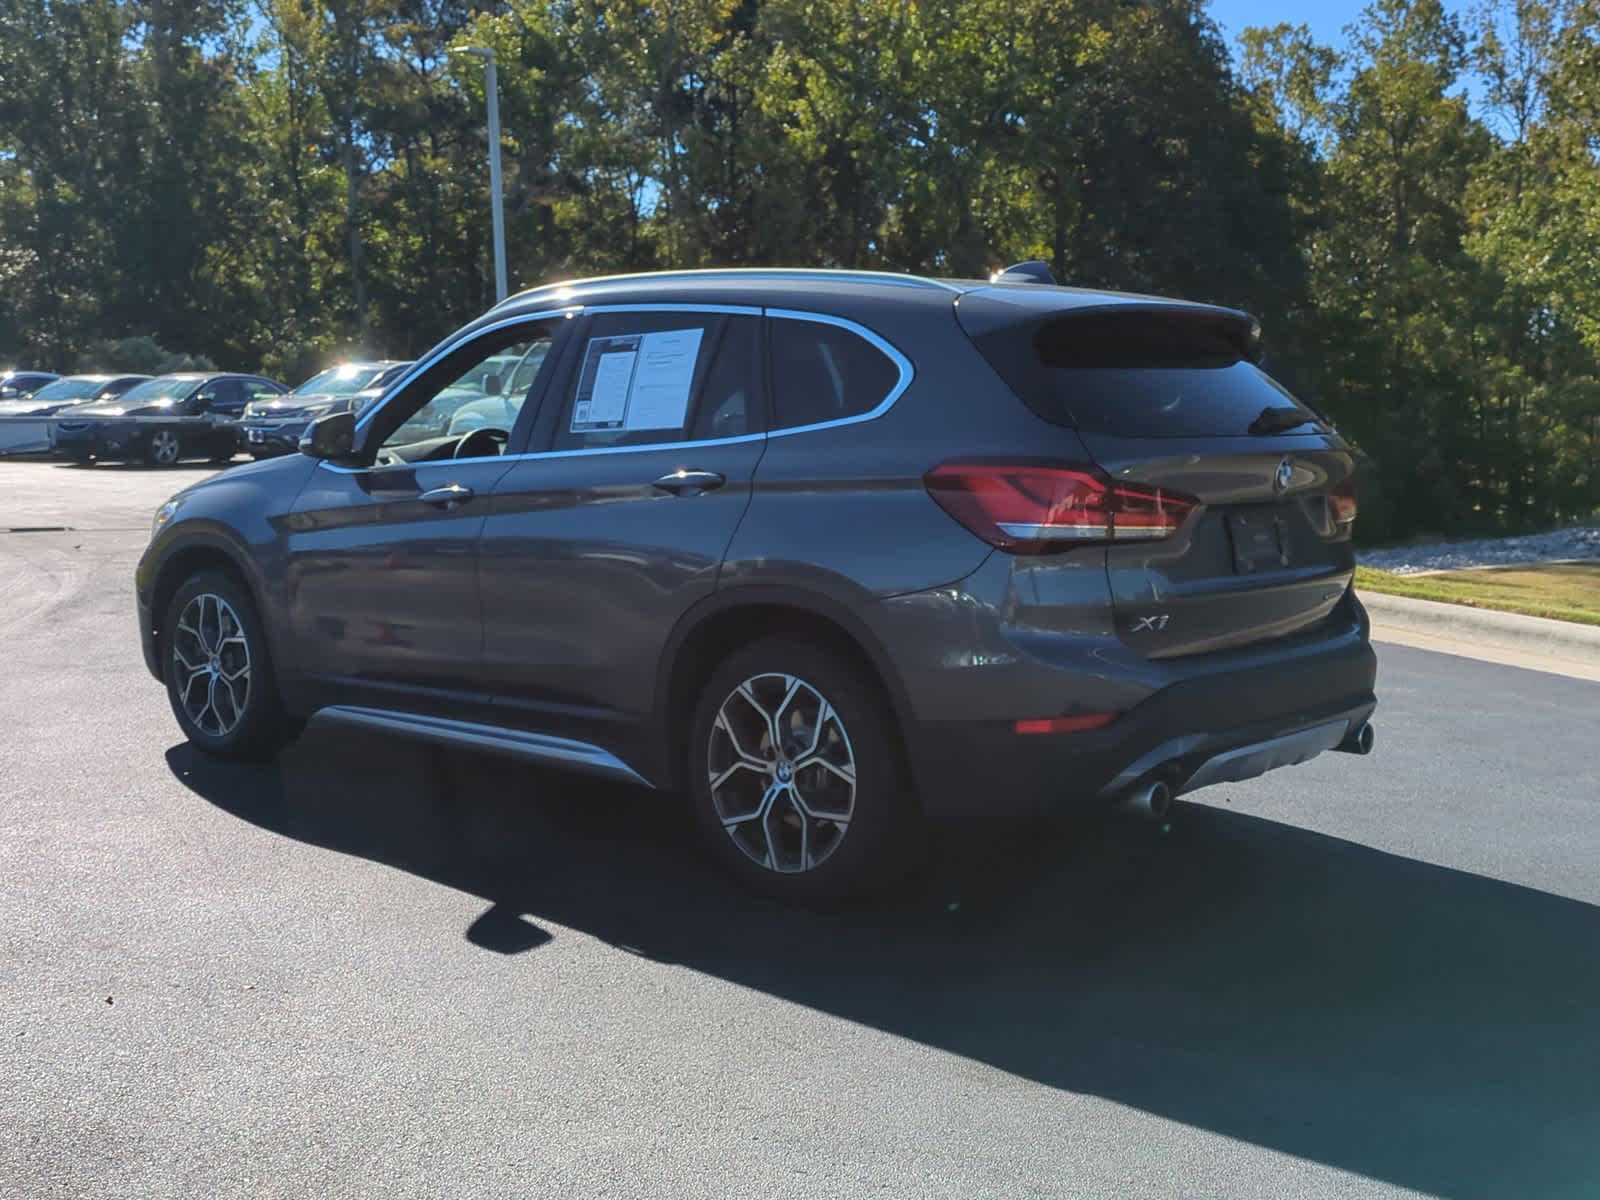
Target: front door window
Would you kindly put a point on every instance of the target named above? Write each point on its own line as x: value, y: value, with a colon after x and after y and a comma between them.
x: 484, y: 388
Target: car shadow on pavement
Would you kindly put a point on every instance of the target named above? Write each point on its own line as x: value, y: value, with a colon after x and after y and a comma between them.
x: 1405, y: 1022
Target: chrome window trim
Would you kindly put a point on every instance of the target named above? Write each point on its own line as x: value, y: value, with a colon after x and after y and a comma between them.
x: 535, y: 454
x: 643, y: 448
x: 901, y: 362
x: 444, y: 348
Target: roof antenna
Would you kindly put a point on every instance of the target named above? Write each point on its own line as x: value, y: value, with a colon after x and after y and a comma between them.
x: 1032, y: 271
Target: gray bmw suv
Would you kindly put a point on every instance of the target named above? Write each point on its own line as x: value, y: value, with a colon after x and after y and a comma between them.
x: 836, y: 555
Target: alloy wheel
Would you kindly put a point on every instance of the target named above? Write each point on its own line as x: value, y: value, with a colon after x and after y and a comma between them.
x: 782, y: 773
x: 211, y: 664
x: 164, y: 447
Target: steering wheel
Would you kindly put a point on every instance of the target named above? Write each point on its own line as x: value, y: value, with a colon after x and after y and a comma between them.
x: 482, y: 443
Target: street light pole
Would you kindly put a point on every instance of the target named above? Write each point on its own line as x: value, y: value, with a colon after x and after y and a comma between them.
x: 491, y: 83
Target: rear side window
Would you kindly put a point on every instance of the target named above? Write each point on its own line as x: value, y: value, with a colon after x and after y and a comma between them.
x: 823, y: 372
x: 1144, y: 375
x: 223, y: 392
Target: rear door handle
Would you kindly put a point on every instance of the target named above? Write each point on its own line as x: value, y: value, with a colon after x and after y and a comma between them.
x: 687, y: 482
x: 448, y: 496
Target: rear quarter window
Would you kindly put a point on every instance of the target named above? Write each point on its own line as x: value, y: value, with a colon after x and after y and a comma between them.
x: 823, y: 372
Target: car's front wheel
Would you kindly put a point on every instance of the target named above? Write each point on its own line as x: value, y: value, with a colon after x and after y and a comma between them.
x: 219, y: 671
x: 796, y: 777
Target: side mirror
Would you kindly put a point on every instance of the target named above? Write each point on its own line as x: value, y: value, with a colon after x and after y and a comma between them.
x: 492, y: 385
x: 332, y: 437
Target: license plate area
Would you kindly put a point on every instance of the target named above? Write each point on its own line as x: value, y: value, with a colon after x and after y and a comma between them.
x: 1260, y: 540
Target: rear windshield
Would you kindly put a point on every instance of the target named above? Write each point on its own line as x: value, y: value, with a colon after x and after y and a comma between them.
x: 1144, y: 375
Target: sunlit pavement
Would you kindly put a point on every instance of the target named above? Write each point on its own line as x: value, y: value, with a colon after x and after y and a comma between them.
x: 377, y: 970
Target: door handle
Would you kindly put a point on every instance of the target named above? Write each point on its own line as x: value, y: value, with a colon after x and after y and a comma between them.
x: 448, y: 496
x: 688, y: 482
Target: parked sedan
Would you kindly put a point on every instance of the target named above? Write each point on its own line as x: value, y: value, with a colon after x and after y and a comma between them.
x: 273, y: 425
x: 67, y: 391
x: 19, y: 385
x: 171, y: 417
x: 23, y: 427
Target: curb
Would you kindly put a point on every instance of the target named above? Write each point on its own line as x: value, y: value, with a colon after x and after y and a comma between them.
x: 1505, y: 631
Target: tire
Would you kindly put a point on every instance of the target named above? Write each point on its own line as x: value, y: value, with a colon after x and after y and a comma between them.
x: 212, y: 641
x: 163, y: 448
x: 818, y: 860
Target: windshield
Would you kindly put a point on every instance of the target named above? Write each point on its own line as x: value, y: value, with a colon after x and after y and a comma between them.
x: 70, y: 389
x: 342, y: 380
x: 173, y: 387
x: 14, y: 384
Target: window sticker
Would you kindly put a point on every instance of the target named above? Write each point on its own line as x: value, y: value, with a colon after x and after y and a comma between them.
x: 636, y: 381
x: 603, y: 386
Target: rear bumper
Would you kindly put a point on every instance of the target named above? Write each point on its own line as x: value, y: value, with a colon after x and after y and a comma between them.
x: 1281, y: 706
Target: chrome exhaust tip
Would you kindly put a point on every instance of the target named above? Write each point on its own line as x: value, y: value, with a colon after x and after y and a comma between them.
x: 1152, y: 801
x: 1359, y: 740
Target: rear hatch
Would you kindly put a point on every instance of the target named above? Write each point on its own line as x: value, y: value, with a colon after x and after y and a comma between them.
x: 1253, y: 487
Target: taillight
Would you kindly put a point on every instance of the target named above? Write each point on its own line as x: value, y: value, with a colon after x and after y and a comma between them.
x: 1033, y: 508
x: 1342, y: 506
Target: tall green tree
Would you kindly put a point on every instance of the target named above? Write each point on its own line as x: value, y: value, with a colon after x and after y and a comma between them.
x: 277, y: 182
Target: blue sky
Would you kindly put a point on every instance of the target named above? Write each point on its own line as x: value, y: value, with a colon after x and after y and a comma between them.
x: 1327, y: 18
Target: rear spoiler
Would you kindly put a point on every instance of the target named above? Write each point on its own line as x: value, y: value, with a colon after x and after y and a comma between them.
x: 1107, y: 327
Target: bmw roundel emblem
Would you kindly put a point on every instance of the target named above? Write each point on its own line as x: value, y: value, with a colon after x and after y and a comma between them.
x: 1284, y: 477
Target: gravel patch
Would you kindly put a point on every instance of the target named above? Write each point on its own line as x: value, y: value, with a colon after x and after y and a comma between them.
x: 1583, y: 542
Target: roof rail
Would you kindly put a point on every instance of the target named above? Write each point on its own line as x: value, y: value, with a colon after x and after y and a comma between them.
x: 892, y: 278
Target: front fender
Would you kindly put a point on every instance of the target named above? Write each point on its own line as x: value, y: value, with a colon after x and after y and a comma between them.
x: 240, y: 516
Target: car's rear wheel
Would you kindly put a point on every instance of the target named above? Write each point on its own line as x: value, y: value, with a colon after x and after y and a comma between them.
x: 219, y: 672
x: 163, y: 448
x: 796, y: 775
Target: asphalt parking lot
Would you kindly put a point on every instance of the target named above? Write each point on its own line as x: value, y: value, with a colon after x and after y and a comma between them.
x: 380, y: 970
